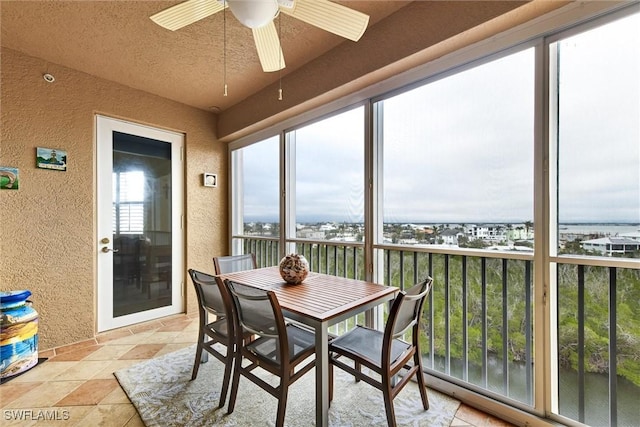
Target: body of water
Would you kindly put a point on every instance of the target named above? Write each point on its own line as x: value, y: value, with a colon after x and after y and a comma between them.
x: 606, y: 229
x: 596, y: 391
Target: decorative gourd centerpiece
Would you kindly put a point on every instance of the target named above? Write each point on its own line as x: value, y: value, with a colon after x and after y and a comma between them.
x: 294, y: 268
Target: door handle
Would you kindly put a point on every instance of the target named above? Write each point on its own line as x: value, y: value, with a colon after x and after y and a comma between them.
x: 107, y: 250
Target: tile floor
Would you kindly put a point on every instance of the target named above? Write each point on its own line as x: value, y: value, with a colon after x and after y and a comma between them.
x: 76, y: 386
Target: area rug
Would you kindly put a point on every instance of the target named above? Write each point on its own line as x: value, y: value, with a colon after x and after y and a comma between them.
x: 163, y: 394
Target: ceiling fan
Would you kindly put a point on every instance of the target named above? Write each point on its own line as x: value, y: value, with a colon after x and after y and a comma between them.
x: 259, y: 15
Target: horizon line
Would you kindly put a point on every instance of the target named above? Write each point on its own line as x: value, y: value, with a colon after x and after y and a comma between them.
x: 462, y: 222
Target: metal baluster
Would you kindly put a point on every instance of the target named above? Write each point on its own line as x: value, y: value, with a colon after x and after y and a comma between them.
x: 528, y: 331
x: 447, y: 325
x: 581, y: 343
x: 484, y: 322
x: 505, y: 330
x: 465, y: 329
x: 613, y: 352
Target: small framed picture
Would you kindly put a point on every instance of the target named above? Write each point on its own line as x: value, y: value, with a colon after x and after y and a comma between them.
x: 210, y: 179
x: 9, y: 178
x: 51, y: 158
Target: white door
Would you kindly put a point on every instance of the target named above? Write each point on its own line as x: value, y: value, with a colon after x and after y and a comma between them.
x: 140, y: 214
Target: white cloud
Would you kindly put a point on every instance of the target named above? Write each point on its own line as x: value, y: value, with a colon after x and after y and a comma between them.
x: 460, y: 149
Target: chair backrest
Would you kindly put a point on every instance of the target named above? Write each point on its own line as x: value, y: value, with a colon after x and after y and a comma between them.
x: 233, y: 263
x: 210, y: 296
x: 258, y: 312
x: 406, y: 310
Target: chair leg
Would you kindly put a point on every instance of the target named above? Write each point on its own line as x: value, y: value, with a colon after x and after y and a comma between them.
x: 196, y: 362
x: 237, y: 365
x: 282, y: 402
x: 330, y: 383
x: 417, y: 360
x: 388, y: 402
x: 359, y: 369
x: 225, y: 380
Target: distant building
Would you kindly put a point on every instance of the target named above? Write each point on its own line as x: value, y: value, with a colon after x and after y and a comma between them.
x: 328, y: 227
x: 519, y: 233
x: 634, y: 235
x: 450, y: 236
x: 309, y: 233
x: 611, y: 245
x: 488, y: 232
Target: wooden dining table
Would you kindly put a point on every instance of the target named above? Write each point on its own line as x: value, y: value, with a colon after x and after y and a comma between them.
x: 320, y: 301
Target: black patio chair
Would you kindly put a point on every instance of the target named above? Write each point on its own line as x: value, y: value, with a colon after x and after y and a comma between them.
x: 386, y: 353
x: 277, y: 347
x: 233, y: 263
x: 214, y: 298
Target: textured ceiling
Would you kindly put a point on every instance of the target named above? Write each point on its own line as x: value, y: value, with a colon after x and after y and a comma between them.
x: 116, y: 41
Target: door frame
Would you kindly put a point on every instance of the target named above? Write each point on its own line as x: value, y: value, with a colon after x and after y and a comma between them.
x: 105, y: 126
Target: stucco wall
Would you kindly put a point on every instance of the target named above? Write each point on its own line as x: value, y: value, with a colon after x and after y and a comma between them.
x: 47, y: 227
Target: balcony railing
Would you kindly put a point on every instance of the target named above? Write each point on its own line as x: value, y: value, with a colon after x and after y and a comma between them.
x: 598, y: 365
x: 478, y: 322
x: 478, y: 328
x: 335, y: 258
x: 266, y: 250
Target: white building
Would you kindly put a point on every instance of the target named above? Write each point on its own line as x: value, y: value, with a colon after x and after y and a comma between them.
x: 634, y: 235
x: 488, y: 232
x: 450, y: 237
x: 611, y: 245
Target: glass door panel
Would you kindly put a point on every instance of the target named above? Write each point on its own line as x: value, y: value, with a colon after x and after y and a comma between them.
x: 141, y: 224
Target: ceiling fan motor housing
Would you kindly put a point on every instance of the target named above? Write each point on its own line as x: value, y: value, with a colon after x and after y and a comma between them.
x: 254, y: 13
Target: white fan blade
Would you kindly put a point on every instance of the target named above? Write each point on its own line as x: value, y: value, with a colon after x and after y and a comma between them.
x: 268, y: 46
x: 186, y: 13
x: 329, y: 16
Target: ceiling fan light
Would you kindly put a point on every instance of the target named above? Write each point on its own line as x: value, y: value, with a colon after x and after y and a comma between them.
x: 254, y: 13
